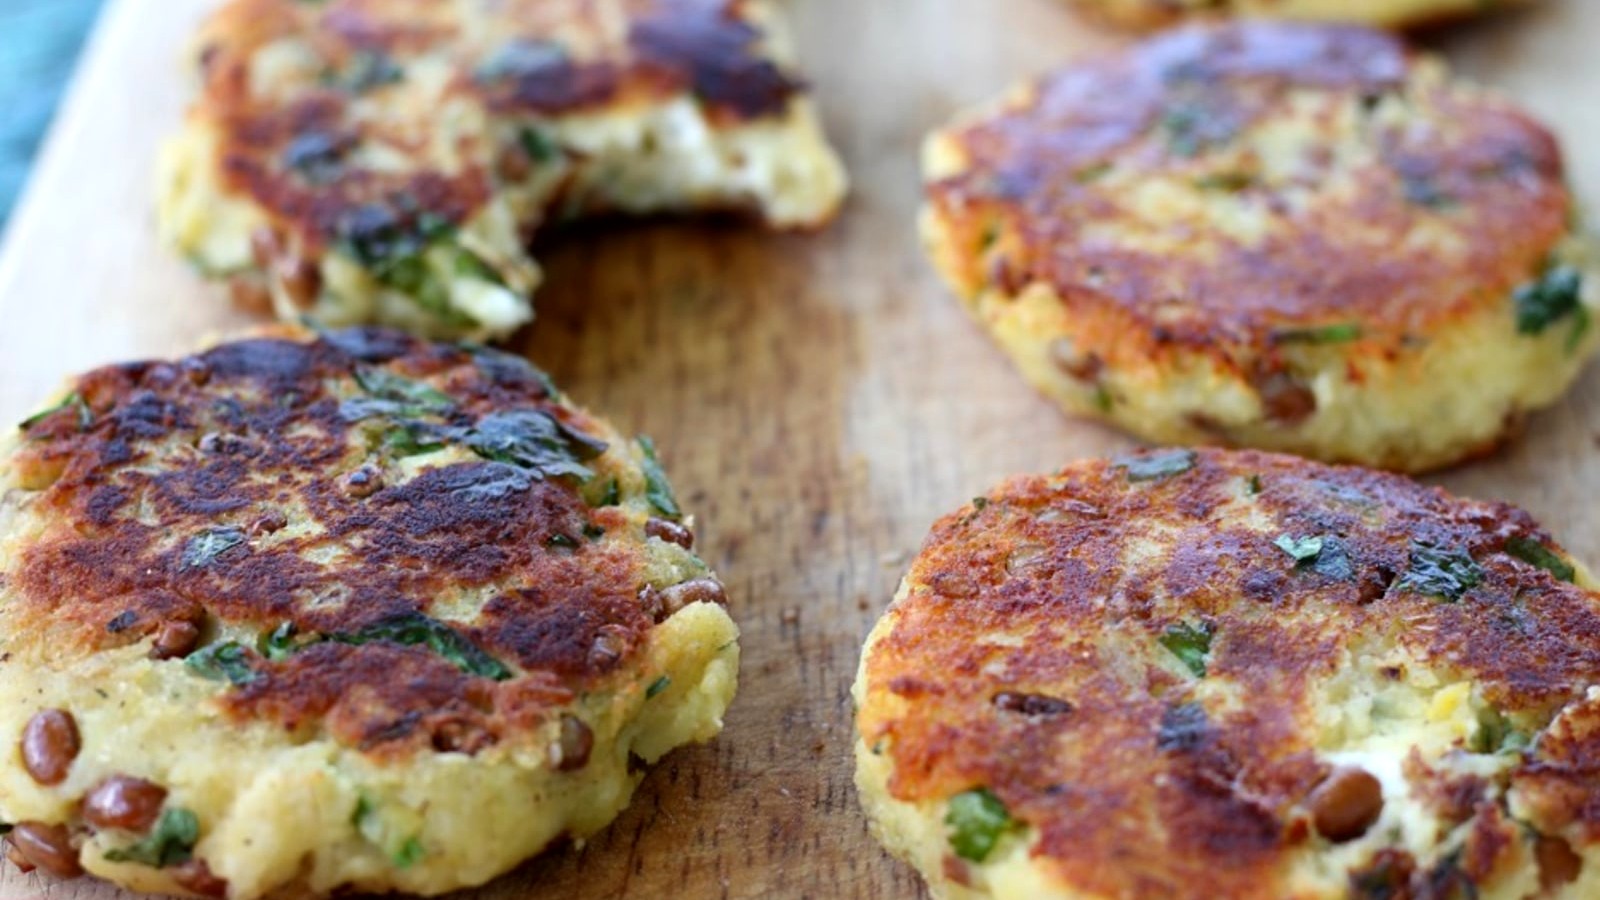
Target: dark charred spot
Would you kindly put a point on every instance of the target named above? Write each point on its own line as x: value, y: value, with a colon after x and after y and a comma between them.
x: 1031, y: 704
x: 540, y: 76
x: 1183, y: 727
x: 180, y: 501
x: 703, y: 42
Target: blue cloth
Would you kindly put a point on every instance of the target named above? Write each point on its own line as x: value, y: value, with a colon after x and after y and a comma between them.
x: 39, y: 45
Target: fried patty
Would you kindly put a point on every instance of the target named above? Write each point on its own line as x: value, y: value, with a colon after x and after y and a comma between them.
x: 1206, y: 674
x: 1388, y: 13
x: 353, y: 612
x: 1286, y: 236
x: 388, y: 160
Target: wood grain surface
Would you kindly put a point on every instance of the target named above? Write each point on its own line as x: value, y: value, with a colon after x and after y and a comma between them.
x: 819, y: 399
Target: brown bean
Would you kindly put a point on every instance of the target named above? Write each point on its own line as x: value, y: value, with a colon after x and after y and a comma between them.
x: 700, y: 590
x: 196, y: 877
x: 273, y: 520
x: 175, y: 638
x: 671, y: 532
x: 125, y: 802
x: 14, y: 855
x: 1284, y: 399
x: 1346, y: 804
x: 610, y: 642
x: 575, y: 744
x: 49, y: 745
x: 300, y: 279
x: 1558, y: 864
x: 48, y: 847
x: 363, y: 482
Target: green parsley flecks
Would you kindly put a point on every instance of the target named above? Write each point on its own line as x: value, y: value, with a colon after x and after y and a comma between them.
x: 1155, y: 465
x: 657, y: 489
x: 1440, y: 572
x: 977, y: 820
x: 1191, y: 644
x: 1534, y: 553
x: 170, y: 842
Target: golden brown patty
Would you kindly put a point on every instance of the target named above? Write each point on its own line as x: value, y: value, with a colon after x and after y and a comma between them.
x: 1296, y: 237
x: 1392, y: 13
x: 357, y: 611
x: 387, y: 160
x: 1233, y: 674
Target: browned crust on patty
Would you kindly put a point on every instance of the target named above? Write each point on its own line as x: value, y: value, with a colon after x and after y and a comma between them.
x: 1034, y: 189
x: 287, y: 149
x: 262, y: 447
x: 1133, y: 787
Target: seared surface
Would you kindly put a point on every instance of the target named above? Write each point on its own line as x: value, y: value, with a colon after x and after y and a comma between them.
x: 237, y: 444
x: 1216, y: 187
x: 1141, y: 770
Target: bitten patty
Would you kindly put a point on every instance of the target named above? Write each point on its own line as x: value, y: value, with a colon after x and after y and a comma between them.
x: 1204, y: 674
x: 388, y: 160
x: 1292, y: 237
x: 1388, y: 13
x: 353, y: 612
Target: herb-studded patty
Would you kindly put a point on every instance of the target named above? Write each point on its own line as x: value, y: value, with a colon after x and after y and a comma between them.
x: 1204, y: 674
x: 1391, y: 13
x: 1293, y: 237
x: 347, y: 612
x: 361, y: 161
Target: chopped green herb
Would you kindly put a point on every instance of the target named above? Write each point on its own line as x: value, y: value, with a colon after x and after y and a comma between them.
x: 656, y: 488
x: 523, y: 58
x: 367, y: 70
x: 1185, y: 130
x: 229, y: 661
x: 977, y: 820
x: 73, y: 400
x: 1496, y: 734
x: 416, y: 629
x: 1534, y: 553
x: 1230, y: 182
x: 277, y: 643
x: 1554, y: 296
x: 565, y: 541
x: 593, y: 532
x: 1439, y: 572
x: 1252, y: 485
x: 604, y: 494
x: 1191, y: 644
x: 511, y: 369
x: 409, y: 854
x: 979, y: 503
x: 1338, y: 333
x: 1421, y: 190
x: 657, y: 686
x: 1156, y: 465
x: 414, y: 398
x: 471, y: 265
x: 1302, y: 549
x: 410, y: 439
x: 538, y: 145
x: 1581, y: 328
x: 363, y: 810
x: 1103, y: 400
x: 170, y: 842
x: 204, y: 548
x: 535, y: 441
x: 1334, y: 560
x: 1092, y: 172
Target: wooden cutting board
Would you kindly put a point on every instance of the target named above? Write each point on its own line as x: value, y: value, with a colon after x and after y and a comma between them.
x: 820, y: 400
